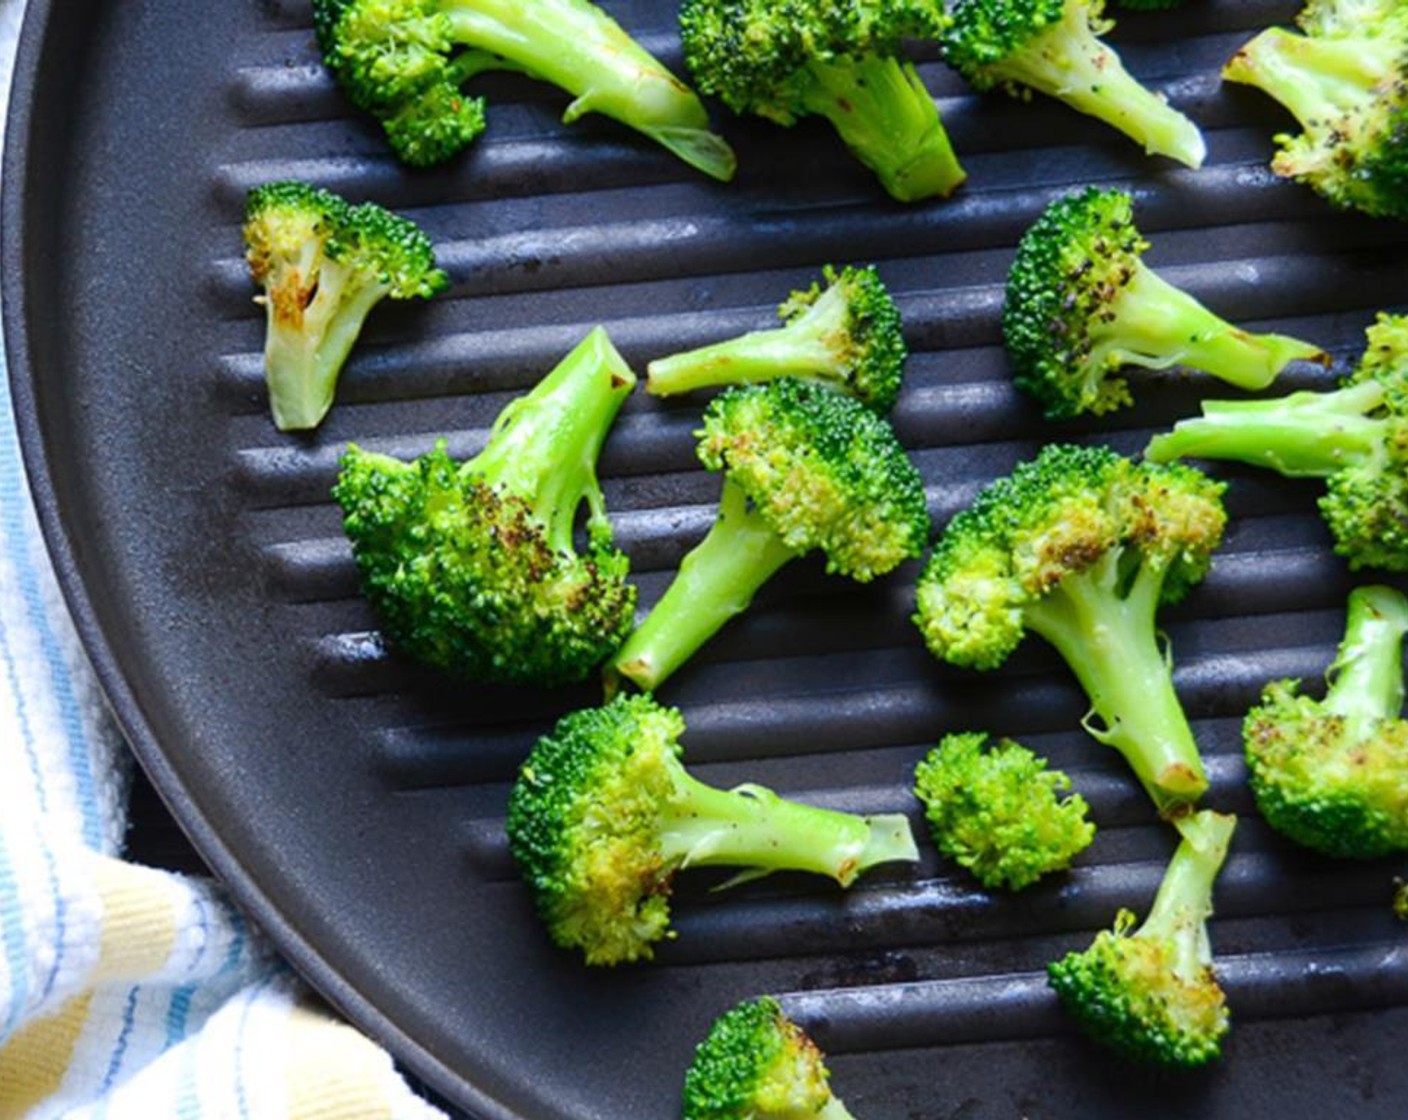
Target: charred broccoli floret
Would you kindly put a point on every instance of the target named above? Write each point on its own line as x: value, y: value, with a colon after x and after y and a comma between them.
x: 1054, y: 47
x: 1081, y: 304
x: 785, y: 59
x: 847, y: 335
x: 1151, y: 994
x: 604, y: 814
x: 472, y: 566
x: 1346, y: 82
x: 1354, y: 437
x: 999, y: 811
x: 323, y: 265
x: 1332, y: 774
x: 405, y: 62
x: 757, y: 1063
x: 805, y: 468
x: 1082, y: 546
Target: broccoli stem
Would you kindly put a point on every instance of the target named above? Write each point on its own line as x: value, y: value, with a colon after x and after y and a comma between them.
x: 882, y: 111
x: 544, y: 446
x: 1303, y: 435
x: 1317, y: 79
x: 1111, y: 644
x: 752, y: 828
x: 579, y: 48
x: 716, y: 581
x: 305, y: 347
x: 1156, y: 325
x: 1069, y: 62
x: 805, y: 346
x: 833, y: 1109
x: 1366, y: 680
x: 1184, y: 900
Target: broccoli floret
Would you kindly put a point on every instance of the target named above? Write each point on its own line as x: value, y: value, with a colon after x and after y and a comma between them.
x: 1400, y: 900
x: 405, y: 62
x: 1332, y: 774
x: 757, y: 1063
x: 1081, y: 304
x: 847, y: 335
x: 1354, y: 437
x: 785, y: 59
x: 1152, y: 994
x: 604, y: 814
x: 472, y: 567
x: 805, y: 468
x: 1346, y: 82
x: 1082, y: 546
x: 999, y: 811
x: 1054, y: 47
x: 323, y: 265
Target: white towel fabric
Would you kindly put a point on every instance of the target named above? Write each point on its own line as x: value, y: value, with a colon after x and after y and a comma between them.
x: 126, y: 991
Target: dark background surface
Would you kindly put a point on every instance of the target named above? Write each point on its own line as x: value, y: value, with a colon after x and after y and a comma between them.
x: 355, y: 804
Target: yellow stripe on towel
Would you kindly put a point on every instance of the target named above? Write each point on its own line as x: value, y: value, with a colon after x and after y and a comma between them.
x: 139, y: 924
x: 333, y: 1071
x: 34, y: 1061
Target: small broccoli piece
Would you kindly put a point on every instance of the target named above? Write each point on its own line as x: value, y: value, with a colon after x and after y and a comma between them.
x: 1054, y: 47
x: 604, y: 814
x: 757, y: 1064
x: 472, y: 567
x: 405, y: 61
x: 1346, y: 82
x: 1082, y: 546
x: 1081, y: 304
x: 1332, y: 774
x: 1354, y: 437
x: 785, y: 59
x: 1152, y: 995
x: 999, y: 811
x: 323, y: 265
x: 1400, y: 900
x: 805, y: 468
x: 847, y: 335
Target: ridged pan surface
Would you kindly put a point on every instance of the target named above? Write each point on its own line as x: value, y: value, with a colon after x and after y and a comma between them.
x: 355, y: 804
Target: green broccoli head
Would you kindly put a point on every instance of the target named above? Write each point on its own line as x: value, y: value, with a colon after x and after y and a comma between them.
x: 604, y: 814
x: 756, y: 1062
x: 472, y: 567
x: 1346, y: 82
x: 999, y: 811
x: 822, y: 471
x: 1151, y: 994
x: 847, y: 335
x: 787, y: 59
x: 805, y: 469
x: 405, y: 62
x: 323, y: 265
x: 1354, y: 437
x: 1332, y: 774
x: 1083, y: 546
x: 1054, y: 47
x: 1081, y: 305
x: 393, y: 58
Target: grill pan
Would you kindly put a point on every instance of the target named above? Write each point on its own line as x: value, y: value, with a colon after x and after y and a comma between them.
x: 354, y: 804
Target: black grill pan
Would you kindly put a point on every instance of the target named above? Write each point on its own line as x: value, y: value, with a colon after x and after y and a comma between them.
x: 354, y: 803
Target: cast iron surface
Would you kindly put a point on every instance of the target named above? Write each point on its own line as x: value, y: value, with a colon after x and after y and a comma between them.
x: 354, y: 804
